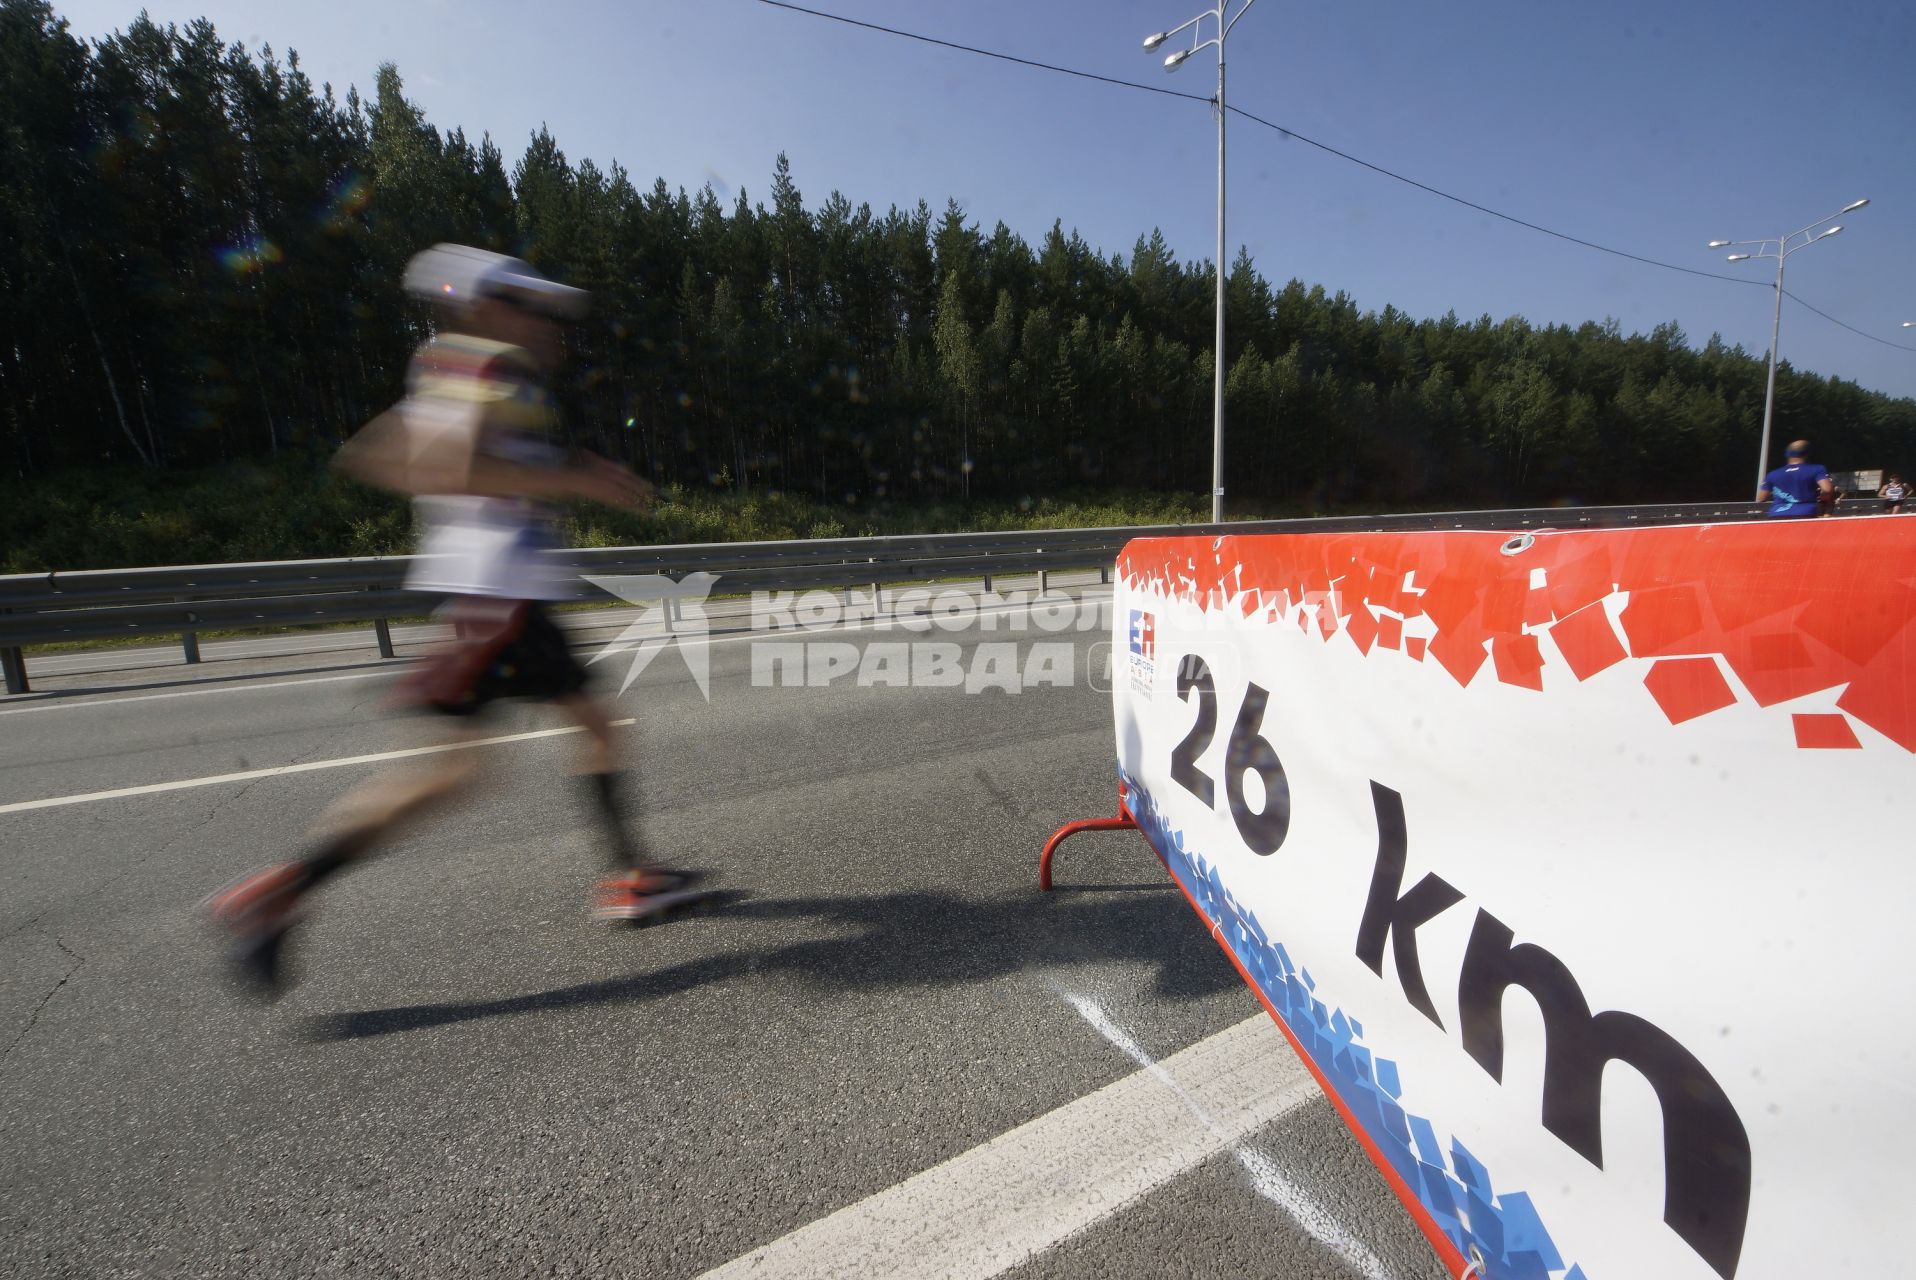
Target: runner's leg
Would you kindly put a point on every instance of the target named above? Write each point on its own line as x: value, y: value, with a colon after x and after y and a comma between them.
x: 362, y: 819
x: 630, y: 892
x: 602, y: 777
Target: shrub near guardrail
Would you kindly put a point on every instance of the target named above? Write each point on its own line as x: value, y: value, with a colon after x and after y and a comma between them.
x: 112, y: 518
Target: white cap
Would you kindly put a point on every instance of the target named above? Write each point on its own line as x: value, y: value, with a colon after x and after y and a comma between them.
x: 455, y: 274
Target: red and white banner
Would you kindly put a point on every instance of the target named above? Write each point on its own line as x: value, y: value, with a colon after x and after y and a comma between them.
x: 1577, y: 865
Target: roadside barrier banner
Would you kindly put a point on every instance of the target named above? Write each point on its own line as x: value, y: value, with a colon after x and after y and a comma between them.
x: 1579, y: 867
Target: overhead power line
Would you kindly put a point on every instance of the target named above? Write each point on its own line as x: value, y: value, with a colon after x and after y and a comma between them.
x: 1329, y: 150
x: 1480, y: 208
x: 985, y: 53
x: 1852, y: 328
x: 1273, y: 125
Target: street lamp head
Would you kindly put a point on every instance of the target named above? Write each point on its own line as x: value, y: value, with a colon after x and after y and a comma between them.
x: 1739, y: 257
x: 1832, y: 231
x: 1171, y: 63
x: 1152, y: 42
x: 1909, y: 324
x: 1851, y: 208
x: 1718, y: 244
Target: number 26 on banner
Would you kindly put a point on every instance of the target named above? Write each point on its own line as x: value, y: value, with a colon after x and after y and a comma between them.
x: 1247, y: 752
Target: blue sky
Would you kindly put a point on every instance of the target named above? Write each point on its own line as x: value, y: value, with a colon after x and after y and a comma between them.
x: 1647, y: 126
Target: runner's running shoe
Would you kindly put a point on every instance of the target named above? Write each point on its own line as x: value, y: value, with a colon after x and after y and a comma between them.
x: 262, y: 898
x: 635, y: 893
x: 259, y: 910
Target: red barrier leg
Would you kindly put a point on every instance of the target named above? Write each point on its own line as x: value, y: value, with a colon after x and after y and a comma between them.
x: 1123, y: 822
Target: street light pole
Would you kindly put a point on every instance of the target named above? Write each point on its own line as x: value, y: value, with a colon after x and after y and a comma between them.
x: 1217, y: 382
x: 1172, y: 63
x: 1783, y: 250
x: 1769, y: 392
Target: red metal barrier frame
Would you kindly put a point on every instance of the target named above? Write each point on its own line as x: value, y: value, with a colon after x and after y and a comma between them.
x: 1447, y: 1251
x: 1122, y: 822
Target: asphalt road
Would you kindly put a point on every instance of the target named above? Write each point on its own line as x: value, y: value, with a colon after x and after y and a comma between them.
x: 473, y: 1078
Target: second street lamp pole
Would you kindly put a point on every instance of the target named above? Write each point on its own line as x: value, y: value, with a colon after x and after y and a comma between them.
x: 1217, y: 391
x: 1769, y: 392
x: 1172, y: 63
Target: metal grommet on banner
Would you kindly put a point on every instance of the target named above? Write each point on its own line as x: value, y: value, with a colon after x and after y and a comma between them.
x: 1518, y: 544
x: 1476, y: 1269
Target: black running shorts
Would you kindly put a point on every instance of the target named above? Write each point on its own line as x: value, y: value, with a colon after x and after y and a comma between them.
x: 525, y: 656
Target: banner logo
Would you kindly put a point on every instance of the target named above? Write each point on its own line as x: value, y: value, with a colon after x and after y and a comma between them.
x: 1142, y: 658
x: 654, y: 629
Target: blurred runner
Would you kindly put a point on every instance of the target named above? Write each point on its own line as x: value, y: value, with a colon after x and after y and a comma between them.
x: 1799, y: 487
x: 470, y: 443
x: 1893, y: 493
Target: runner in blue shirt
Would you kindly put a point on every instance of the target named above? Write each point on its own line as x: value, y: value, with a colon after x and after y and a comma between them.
x: 1792, y: 489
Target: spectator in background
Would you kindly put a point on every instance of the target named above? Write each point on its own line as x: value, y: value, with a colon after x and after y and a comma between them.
x: 1799, y: 487
x: 1893, y: 492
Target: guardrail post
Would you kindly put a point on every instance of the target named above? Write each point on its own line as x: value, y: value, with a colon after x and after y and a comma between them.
x: 987, y: 584
x: 189, y: 638
x: 1104, y: 575
x: 382, y: 631
x: 13, y: 665
x: 14, y: 662
x: 671, y: 612
x: 1044, y: 581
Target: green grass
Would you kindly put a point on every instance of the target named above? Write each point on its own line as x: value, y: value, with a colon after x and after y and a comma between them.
x: 113, y: 518
x: 110, y: 518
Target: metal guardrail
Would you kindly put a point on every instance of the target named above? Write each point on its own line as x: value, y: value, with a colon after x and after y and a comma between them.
x: 41, y: 608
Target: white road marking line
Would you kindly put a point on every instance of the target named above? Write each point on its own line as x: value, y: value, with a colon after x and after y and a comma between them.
x: 1309, y: 1213
x: 1002, y: 1203
x: 210, y: 651
x: 341, y: 641
x: 63, y: 704
x: 54, y: 802
x: 1266, y: 1177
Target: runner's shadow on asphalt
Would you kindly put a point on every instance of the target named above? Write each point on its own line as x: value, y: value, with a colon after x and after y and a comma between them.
x: 900, y: 940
